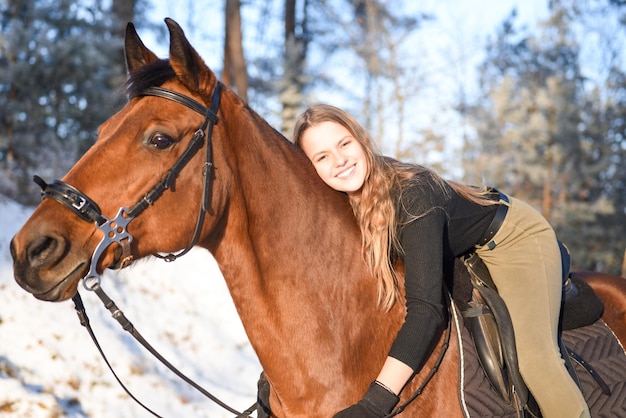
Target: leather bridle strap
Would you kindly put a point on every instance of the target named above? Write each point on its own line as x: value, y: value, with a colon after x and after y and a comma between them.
x: 84, y: 321
x: 442, y: 352
x: 210, y: 119
x: 115, y: 229
x: 166, y: 182
x: 119, y: 316
x: 72, y: 198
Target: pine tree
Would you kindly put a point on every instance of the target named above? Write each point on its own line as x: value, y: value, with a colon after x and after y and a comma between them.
x: 59, y: 73
x: 541, y: 135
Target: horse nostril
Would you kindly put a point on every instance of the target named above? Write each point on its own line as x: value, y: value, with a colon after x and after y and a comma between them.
x: 41, y: 250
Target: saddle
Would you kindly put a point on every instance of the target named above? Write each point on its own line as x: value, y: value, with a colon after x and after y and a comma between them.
x: 488, y: 321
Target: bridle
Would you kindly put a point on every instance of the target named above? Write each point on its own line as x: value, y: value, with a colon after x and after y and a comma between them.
x: 114, y: 230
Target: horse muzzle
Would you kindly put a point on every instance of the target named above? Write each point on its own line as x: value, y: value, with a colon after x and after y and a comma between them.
x: 42, y: 267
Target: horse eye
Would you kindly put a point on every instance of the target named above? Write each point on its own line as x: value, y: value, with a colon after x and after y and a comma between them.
x: 160, y: 141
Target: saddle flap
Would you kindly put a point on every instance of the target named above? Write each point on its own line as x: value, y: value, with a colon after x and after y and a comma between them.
x: 484, y: 332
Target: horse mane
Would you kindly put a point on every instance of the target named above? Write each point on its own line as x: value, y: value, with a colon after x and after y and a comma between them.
x: 149, y: 75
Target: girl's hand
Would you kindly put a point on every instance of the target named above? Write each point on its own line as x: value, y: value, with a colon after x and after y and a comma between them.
x: 376, y: 403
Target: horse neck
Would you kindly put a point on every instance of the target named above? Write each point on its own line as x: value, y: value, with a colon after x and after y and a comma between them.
x: 289, y: 223
x: 283, y: 204
x: 290, y: 254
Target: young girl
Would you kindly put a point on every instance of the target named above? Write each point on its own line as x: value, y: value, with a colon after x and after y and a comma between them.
x: 410, y: 212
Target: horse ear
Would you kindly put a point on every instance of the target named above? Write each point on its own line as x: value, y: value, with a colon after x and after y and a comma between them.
x: 186, y: 62
x: 137, y: 55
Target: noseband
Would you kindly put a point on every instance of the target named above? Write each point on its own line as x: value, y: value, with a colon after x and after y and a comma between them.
x: 114, y: 230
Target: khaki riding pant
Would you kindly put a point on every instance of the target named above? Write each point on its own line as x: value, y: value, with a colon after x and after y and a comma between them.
x: 526, y: 268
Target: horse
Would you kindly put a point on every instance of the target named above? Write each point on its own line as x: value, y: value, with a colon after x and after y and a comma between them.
x: 288, y: 246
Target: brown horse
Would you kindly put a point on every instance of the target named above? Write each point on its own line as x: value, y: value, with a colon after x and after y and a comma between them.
x: 287, y: 245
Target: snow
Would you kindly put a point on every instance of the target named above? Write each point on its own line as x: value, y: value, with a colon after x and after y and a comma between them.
x: 49, y: 366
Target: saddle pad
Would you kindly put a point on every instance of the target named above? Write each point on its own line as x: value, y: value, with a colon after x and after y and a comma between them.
x: 599, y: 347
x: 595, y: 343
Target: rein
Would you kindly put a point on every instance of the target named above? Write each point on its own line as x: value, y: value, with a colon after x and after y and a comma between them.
x: 442, y: 353
x: 119, y: 316
x: 115, y: 231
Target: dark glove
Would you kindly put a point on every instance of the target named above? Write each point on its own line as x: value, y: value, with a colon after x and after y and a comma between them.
x: 376, y: 403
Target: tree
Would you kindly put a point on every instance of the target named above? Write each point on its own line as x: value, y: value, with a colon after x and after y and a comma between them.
x: 540, y: 138
x: 604, y: 22
x: 59, y: 73
x: 123, y: 11
x: 293, y: 79
x: 234, y: 72
x: 368, y: 39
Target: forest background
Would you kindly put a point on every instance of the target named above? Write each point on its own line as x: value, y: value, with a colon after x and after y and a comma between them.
x: 536, y: 109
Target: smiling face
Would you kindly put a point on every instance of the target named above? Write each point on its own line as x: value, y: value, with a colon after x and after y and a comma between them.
x: 337, y: 156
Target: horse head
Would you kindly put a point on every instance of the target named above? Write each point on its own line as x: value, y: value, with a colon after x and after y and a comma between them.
x: 134, y: 150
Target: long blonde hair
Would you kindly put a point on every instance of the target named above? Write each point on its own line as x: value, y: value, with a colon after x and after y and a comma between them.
x: 375, y: 207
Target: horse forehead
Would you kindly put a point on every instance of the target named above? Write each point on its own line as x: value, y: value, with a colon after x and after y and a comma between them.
x: 141, y: 113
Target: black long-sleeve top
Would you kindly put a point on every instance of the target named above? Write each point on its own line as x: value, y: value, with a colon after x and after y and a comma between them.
x: 447, y: 224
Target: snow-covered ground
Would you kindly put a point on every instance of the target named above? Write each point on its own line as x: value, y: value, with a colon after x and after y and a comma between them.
x: 49, y: 366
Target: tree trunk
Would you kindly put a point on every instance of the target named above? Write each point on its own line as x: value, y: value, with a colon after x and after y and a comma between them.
x: 234, y: 73
x: 292, y: 83
x: 123, y: 12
